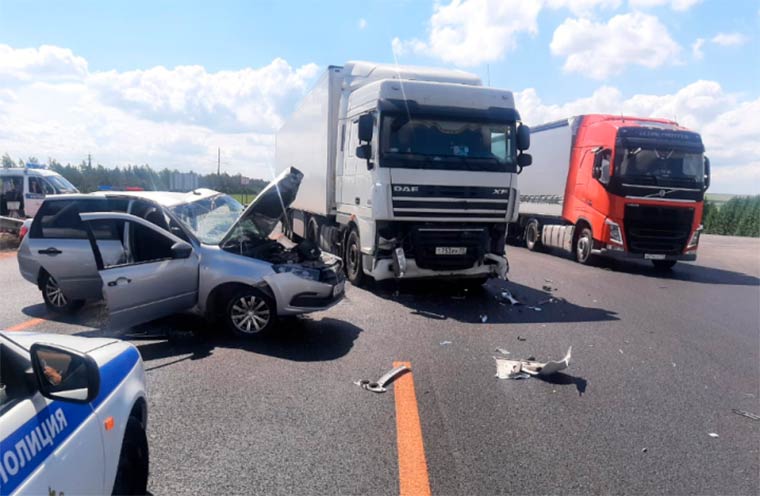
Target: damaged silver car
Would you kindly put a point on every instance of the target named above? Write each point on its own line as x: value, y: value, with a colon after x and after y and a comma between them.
x: 152, y: 254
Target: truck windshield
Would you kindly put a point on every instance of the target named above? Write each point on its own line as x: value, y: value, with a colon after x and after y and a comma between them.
x: 209, y: 218
x: 447, y: 144
x: 660, y: 166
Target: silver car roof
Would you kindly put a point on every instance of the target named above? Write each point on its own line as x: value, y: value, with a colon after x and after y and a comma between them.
x: 163, y: 198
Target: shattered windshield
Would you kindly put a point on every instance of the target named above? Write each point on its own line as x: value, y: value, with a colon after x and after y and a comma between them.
x: 450, y: 141
x: 209, y: 219
x: 661, y: 164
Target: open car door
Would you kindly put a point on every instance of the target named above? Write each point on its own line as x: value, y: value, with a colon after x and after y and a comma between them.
x: 157, y: 277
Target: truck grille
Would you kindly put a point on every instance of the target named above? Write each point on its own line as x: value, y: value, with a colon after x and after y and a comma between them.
x: 426, y: 240
x: 450, y: 202
x: 651, y: 229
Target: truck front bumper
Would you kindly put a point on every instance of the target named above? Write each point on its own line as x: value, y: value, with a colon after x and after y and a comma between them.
x: 624, y: 255
x: 492, y: 266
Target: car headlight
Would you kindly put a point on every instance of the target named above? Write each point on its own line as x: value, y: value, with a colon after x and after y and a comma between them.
x: 297, y: 270
x: 694, y: 241
x: 616, y: 236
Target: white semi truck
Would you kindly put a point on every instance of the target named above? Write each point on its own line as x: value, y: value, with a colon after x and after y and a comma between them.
x: 408, y: 171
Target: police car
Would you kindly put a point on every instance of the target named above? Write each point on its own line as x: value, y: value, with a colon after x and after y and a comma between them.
x: 73, y: 415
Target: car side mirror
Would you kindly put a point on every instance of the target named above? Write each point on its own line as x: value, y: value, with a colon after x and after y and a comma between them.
x: 64, y: 374
x: 366, y: 123
x: 523, y: 137
x: 180, y: 249
x: 707, y: 173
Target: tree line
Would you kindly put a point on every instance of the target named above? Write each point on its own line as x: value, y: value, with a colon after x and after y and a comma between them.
x: 88, y: 177
x: 739, y: 216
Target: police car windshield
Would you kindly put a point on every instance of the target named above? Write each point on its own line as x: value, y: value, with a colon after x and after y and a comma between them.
x: 210, y: 218
x: 61, y: 184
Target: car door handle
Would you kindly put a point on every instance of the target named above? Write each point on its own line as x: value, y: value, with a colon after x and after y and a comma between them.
x: 50, y: 251
x: 357, y: 200
x: 119, y: 282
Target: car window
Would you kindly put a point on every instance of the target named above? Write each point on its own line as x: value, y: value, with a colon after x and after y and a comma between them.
x: 13, y: 384
x: 59, y: 219
x: 141, y: 246
x: 38, y: 186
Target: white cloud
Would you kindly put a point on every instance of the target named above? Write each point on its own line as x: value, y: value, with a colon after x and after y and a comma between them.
x: 726, y: 123
x: 599, y: 50
x: 677, y: 5
x: 584, y: 7
x: 729, y: 39
x: 164, y: 117
x: 472, y: 32
x: 362, y: 23
x: 696, y: 49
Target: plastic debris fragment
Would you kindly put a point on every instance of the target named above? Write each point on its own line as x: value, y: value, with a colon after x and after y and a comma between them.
x: 522, y: 369
x: 746, y: 414
x: 380, y: 385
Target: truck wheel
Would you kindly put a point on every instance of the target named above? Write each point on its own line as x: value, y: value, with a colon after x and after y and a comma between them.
x: 583, y: 245
x: 353, y: 258
x: 250, y: 312
x: 664, y: 264
x: 532, y: 236
x: 132, y: 472
x: 55, y: 300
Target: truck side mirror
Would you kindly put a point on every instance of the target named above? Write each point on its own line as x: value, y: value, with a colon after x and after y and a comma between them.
x: 524, y: 160
x: 365, y: 152
x: 523, y: 137
x: 366, y: 123
x: 601, y: 169
x: 707, y: 173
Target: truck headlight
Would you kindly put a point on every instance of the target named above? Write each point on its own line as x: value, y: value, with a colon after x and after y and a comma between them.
x: 297, y: 270
x: 694, y: 241
x: 616, y: 235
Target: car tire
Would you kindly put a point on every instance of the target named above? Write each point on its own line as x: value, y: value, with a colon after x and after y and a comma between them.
x: 132, y: 472
x: 55, y: 300
x: 250, y: 313
x: 664, y: 265
x: 583, y: 245
x: 353, y: 258
x: 532, y: 235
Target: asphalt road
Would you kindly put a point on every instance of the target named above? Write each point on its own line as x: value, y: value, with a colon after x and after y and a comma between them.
x: 659, y: 362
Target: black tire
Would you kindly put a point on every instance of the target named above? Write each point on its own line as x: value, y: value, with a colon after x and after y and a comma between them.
x: 664, y: 264
x: 134, y: 461
x: 583, y: 245
x: 353, y: 259
x: 250, y: 313
x: 532, y: 235
x: 55, y: 300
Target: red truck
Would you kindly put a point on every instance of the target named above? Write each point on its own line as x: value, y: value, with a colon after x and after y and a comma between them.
x: 623, y: 187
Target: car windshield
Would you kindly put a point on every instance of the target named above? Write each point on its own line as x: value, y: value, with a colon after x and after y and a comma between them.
x: 61, y: 185
x: 449, y: 140
x: 210, y: 218
x: 662, y: 164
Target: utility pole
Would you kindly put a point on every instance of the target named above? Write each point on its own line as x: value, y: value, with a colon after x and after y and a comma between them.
x: 89, y: 161
x: 219, y: 161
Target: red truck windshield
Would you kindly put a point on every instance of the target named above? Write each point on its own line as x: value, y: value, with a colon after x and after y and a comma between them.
x: 639, y: 165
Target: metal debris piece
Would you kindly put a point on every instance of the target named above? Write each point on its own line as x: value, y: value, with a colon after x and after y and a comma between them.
x: 712, y: 434
x: 484, y: 318
x: 746, y: 414
x: 444, y: 343
x: 502, y: 351
x: 379, y: 386
x: 522, y: 369
x: 507, y: 296
x: 457, y: 297
x: 546, y: 287
x: 621, y: 351
x: 536, y: 309
x: 548, y: 280
x: 520, y: 338
x: 644, y: 450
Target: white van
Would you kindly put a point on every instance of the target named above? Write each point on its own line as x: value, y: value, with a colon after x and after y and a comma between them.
x: 23, y: 189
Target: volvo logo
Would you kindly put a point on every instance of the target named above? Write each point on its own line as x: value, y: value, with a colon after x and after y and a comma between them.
x: 406, y: 189
x: 500, y: 191
x: 661, y: 193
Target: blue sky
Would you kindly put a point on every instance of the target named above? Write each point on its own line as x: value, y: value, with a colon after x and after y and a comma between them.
x: 559, y: 56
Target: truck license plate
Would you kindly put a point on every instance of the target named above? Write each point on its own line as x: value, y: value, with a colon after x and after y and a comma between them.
x: 450, y: 250
x: 654, y: 256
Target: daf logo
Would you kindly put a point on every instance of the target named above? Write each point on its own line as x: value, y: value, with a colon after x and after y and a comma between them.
x: 406, y: 189
x: 500, y: 191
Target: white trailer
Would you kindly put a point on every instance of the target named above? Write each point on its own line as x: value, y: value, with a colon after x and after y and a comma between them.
x: 408, y: 171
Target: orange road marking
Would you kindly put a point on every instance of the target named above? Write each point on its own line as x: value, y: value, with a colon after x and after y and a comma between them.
x: 25, y: 325
x: 412, y: 466
x: 7, y: 254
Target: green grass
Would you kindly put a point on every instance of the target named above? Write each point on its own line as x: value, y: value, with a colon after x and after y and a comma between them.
x: 244, y: 198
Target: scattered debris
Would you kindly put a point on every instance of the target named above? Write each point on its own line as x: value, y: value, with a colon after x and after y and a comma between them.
x: 674, y: 364
x: 507, y: 296
x: 712, y: 434
x: 746, y: 414
x: 502, y: 351
x: 520, y: 338
x: 548, y: 280
x: 484, y: 318
x: 395, y: 294
x: 546, y: 287
x: 644, y: 450
x: 379, y: 386
x: 536, y: 309
x: 457, y: 297
x: 523, y: 369
x: 548, y: 300
x: 444, y: 343
x: 621, y: 351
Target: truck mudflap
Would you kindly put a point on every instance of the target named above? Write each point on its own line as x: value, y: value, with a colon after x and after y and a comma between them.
x: 493, y: 265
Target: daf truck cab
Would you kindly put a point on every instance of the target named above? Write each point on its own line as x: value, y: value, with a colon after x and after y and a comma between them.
x: 408, y: 172
x: 617, y: 186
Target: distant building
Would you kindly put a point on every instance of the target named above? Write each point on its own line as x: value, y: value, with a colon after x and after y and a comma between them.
x: 183, y: 181
x: 244, y: 181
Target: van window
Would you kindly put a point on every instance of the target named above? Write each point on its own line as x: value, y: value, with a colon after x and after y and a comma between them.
x: 11, y: 190
x: 59, y: 219
x: 38, y: 186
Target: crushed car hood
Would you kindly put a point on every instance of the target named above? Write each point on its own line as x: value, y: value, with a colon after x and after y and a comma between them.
x: 267, y: 209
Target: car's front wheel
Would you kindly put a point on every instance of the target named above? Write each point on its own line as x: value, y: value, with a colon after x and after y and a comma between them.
x: 132, y: 473
x: 250, y: 312
x: 55, y: 299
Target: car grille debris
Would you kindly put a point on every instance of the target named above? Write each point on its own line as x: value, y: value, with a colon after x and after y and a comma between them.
x: 523, y: 369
